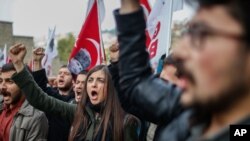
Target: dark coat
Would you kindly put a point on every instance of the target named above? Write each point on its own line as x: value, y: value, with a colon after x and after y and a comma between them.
x: 58, y: 127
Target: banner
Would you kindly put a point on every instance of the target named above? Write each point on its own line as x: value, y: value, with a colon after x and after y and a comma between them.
x: 159, y: 28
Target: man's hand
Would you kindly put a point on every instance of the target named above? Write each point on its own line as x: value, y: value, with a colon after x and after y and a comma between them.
x: 114, y: 52
x: 129, y: 6
x: 38, y: 55
x: 17, y: 54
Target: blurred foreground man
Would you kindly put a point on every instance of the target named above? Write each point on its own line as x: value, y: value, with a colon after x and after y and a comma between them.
x: 215, y: 77
x: 19, y: 121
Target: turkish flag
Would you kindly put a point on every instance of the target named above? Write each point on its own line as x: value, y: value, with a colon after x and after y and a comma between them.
x: 87, y: 51
x: 146, y: 7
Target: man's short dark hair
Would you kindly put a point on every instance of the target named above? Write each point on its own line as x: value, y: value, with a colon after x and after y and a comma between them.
x: 169, y: 60
x: 83, y: 72
x: 238, y: 9
x: 8, y: 67
x: 72, y: 74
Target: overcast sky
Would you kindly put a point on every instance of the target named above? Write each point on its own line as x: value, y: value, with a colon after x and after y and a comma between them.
x: 33, y: 17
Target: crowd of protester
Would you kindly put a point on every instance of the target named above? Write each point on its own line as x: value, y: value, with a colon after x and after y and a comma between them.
x: 199, y: 90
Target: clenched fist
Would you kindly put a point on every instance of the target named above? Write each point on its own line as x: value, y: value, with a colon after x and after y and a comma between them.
x: 114, y: 52
x: 17, y: 54
x: 38, y: 54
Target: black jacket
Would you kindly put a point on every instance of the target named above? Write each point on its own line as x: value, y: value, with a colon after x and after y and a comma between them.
x: 58, y: 127
x: 148, y: 97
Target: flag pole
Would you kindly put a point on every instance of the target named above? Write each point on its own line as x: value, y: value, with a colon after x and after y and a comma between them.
x: 103, y: 55
x: 6, y: 53
x: 90, y: 4
x: 169, y: 26
x: 32, y: 63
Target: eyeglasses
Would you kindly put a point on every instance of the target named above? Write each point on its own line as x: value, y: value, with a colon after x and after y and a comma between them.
x: 199, y: 32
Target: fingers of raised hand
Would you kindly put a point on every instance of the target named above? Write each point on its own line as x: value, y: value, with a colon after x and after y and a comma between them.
x: 39, y: 51
x: 114, y: 47
x: 16, y: 49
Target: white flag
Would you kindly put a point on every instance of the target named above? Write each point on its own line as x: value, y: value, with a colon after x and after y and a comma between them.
x: 50, y: 52
x: 3, y: 56
x: 159, y: 28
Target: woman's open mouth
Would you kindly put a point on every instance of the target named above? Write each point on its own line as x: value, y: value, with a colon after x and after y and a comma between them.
x: 94, y: 95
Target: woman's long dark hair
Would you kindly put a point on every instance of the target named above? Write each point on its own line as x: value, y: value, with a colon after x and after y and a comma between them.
x: 111, y: 114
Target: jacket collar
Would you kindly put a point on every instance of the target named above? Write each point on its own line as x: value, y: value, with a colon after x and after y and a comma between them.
x: 1, y: 107
x: 26, y: 109
x: 1, y: 103
x: 90, y: 113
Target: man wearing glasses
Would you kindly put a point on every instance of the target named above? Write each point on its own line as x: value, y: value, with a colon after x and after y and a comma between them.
x: 215, y: 72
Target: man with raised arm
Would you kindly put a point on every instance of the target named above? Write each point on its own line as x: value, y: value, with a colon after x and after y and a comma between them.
x: 58, y: 127
x: 215, y: 79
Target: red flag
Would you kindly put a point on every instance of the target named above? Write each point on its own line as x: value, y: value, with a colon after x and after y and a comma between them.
x: 30, y: 65
x: 147, y: 9
x: 87, y: 51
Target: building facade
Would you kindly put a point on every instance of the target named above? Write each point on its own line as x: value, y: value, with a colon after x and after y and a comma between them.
x: 7, y: 37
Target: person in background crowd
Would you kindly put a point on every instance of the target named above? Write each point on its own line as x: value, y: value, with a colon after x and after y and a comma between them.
x: 215, y: 76
x: 64, y: 78
x: 59, y: 128
x: 79, y: 86
x: 97, y: 117
x: 19, y: 121
x: 169, y: 71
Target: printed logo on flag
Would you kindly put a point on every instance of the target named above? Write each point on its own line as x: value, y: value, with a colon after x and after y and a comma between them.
x: 154, y: 43
x: 85, y: 57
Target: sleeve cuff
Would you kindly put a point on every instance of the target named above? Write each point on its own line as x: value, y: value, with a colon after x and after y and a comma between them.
x: 40, y: 75
x: 129, y: 22
x: 22, y: 78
